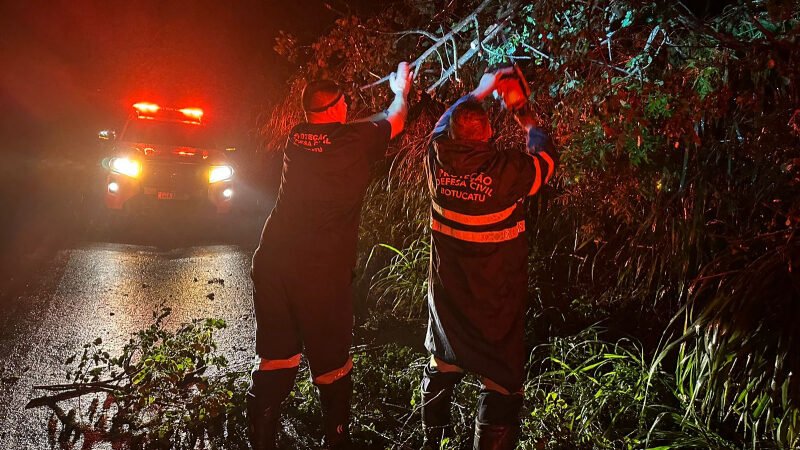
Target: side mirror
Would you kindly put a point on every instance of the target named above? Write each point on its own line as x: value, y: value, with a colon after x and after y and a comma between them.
x: 107, y: 135
x: 230, y: 149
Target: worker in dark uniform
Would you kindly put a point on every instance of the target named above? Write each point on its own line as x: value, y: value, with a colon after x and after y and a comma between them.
x: 302, y: 269
x: 478, y: 272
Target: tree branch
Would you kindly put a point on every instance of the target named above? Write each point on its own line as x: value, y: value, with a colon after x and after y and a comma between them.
x: 53, y: 400
x: 471, y: 52
x: 442, y: 41
x: 107, y: 384
x: 535, y: 50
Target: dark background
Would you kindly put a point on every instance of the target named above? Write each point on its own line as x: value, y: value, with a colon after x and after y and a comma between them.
x: 76, y: 66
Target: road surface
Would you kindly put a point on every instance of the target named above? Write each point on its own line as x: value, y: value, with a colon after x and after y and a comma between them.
x: 110, y: 290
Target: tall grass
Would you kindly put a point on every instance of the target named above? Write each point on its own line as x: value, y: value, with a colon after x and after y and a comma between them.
x: 402, y: 286
x: 737, y: 357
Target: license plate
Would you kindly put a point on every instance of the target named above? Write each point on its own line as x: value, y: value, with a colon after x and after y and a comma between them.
x: 166, y: 195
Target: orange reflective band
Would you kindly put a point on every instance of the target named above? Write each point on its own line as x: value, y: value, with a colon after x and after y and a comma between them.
x: 333, y: 375
x: 480, y: 236
x: 537, y: 180
x: 551, y: 165
x: 467, y: 219
x: 442, y: 366
x: 277, y: 364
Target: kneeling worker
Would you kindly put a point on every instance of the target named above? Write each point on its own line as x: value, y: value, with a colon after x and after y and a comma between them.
x: 478, y: 272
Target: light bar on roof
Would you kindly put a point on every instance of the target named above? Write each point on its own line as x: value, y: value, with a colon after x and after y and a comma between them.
x: 146, y: 108
x: 194, y: 113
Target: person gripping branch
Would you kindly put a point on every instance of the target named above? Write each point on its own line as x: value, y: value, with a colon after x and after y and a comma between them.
x: 478, y: 280
x: 302, y: 269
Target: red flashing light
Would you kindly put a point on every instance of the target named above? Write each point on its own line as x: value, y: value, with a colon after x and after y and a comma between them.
x: 194, y: 113
x: 146, y: 108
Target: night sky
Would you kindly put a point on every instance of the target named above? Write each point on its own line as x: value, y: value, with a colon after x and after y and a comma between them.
x: 71, y: 67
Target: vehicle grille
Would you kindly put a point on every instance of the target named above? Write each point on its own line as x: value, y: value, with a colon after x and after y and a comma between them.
x: 178, y: 178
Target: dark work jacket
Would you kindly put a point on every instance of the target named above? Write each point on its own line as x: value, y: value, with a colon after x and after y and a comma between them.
x: 326, y: 171
x: 479, y: 251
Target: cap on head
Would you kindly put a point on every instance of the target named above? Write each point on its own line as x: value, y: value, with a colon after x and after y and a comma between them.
x: 470, y: 121
x: 320, y: 95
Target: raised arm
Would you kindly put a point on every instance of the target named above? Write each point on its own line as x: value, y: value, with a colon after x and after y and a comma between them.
x: 486, y: 85
x: 396, y: 113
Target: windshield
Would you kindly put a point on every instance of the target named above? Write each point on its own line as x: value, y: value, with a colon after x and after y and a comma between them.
x: 177, y: 134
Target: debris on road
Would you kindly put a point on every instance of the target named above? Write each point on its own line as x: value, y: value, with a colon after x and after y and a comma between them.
x: 9, y: 380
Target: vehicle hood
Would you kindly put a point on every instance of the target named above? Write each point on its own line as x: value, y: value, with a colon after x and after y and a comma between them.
x: 174, y: 153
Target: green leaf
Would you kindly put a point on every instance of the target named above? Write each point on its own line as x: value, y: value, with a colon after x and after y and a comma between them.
x: 628, y: 20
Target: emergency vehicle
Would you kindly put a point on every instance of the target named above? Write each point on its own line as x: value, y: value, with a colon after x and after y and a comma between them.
x: 166, y: 156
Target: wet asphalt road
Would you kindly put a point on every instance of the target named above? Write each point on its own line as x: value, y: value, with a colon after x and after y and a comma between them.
x: 110, y: 290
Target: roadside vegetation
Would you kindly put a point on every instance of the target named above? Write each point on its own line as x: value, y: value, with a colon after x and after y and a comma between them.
x: 665, y: 261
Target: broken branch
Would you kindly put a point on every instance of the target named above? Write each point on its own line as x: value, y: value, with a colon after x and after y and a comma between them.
x: 442, y: 41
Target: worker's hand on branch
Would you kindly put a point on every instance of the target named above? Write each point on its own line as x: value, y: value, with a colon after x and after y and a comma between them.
x: 400, y: 81
x: 489, y: 81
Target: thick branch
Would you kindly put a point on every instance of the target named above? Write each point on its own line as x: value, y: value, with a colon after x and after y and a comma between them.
x: 107, y: 384
x: 471, y: 52
x: 53, y: 400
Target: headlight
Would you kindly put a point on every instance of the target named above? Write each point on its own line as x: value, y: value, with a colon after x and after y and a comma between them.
x: 220, y: 173
x: 126, y: 166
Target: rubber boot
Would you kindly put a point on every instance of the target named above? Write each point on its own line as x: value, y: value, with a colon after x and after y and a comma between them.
x: 335, y: 401
x: 267, y: 391
x: 437, y: 397
x: 497, y: 423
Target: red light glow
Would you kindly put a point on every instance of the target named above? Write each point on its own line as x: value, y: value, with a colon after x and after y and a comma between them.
x: 144, y: 107
x: 195, y: 113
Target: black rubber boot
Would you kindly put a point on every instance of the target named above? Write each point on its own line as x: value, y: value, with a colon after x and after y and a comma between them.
x: 437, y: 397
x: 335, y: 401
x: 497, y: 424
x: 267, y: 391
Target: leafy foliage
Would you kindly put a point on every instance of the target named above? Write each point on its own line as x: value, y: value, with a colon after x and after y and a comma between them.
x: 676, y: 205
x: 165, y: 390
x: 674, y: 218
